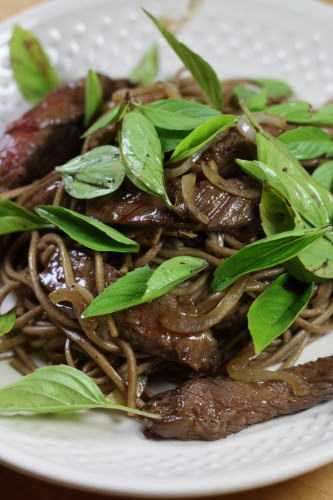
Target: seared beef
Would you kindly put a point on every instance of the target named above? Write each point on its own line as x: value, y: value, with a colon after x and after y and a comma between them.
x: 131, y: 206
x: 225, y: 152
x: 128, y: 205
x: 213, y: 408
x: 141, y: 326
x: 47, y: 135
x: 84, y: 271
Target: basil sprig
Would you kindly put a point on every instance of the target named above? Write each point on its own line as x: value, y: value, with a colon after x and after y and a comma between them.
x: 112, y: 116
x: 89, y: 232
x: 142, y: 154
x: 147, y: 69
x: 57, y: 389
x: 202, y: 135
x: 308, y: 143
x: 323, y: 175
x: 14, y: 218
x: 300, y: 112
x: 255, y: 99
x: 201, y: 71
x: 144, y: 285
x: 276, y: 309
x: 276, y: 89
x: 177, y: 114
x: 93, y: 95
x: 96, y: 173
x: 263, y: 254
x: 33, y: 72
x: 7, y: 322
x: 310, y: 205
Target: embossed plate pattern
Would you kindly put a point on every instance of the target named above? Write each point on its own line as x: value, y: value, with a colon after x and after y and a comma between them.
x: 96, y: 451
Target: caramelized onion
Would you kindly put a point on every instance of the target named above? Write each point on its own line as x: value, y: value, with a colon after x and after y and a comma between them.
x: 231, y: 186
x: 188, y: 324
x: 188, y: 191
x: 240, y: 369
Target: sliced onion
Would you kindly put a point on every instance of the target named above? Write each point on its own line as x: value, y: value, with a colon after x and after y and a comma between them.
x: 245, y: 129
x: 188, y: 324
x: 188, y: 191
x: 231, y: 186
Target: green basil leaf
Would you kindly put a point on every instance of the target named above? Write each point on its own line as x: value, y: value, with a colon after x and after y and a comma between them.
x: 255, y: 100
x: 300, y: 112
x: 276, y: 89
x: 33, y: 72
x: 308, y: 210
x: 142, y: 154
x: 57, y: 389
x: 307, y: 143
x: 202, y: 135
x: 96, y: 173
x: 275, y: 213
x: 108, y: 118
x: 263, y: 254
x: 276, y: 309
x: 293, y: 112
x: 147, y: 69
x: 7, y: 322
x: 144, y: 284
x: 93, y: 96
x: 323, y: 175
x: 87, y: 231
x: 14, y: 218
x: 201, y: 71
x: 177, y: 114
x: 324, y: 115
x: 170, y: 138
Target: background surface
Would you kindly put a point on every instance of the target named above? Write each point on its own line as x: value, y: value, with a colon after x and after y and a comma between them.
x: 317, y: 485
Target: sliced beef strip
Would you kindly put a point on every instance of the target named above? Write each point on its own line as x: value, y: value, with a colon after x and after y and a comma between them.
x: 128, y: 205
x: 53, y: 276
x: 47, y: 135
x: 131, y: 206
x: 213, y: 408
x: 226, y: 150
x: 141, y: 326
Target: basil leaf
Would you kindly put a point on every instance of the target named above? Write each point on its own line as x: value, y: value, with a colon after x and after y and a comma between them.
x: 57, y: 389
x: 33, y: 72
x: 263, y: 254
x: 177, y: 114
x: 147, y: 69
x: 300, y: 112
x: 142, y: 154
x: 276, y: 309
x: 7, y: 322
x: 201, y: 71
x: 93, y: 96
x: 170, y: 138
x: 275, y: 213
x: 307, y: 143
x: 87, y: 231
x: 107, y: 119
x: 324, y: 115
x: 276, y: 89
x: 255, y: 100
x: 202, y: 135
x: 144, y: 284
x: 14, y: 218
x: 96, y: 173
x: 293, y: 112
x: 324, y: 175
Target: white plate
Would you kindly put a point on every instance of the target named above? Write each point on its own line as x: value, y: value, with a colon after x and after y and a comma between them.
x: 282, y: 38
